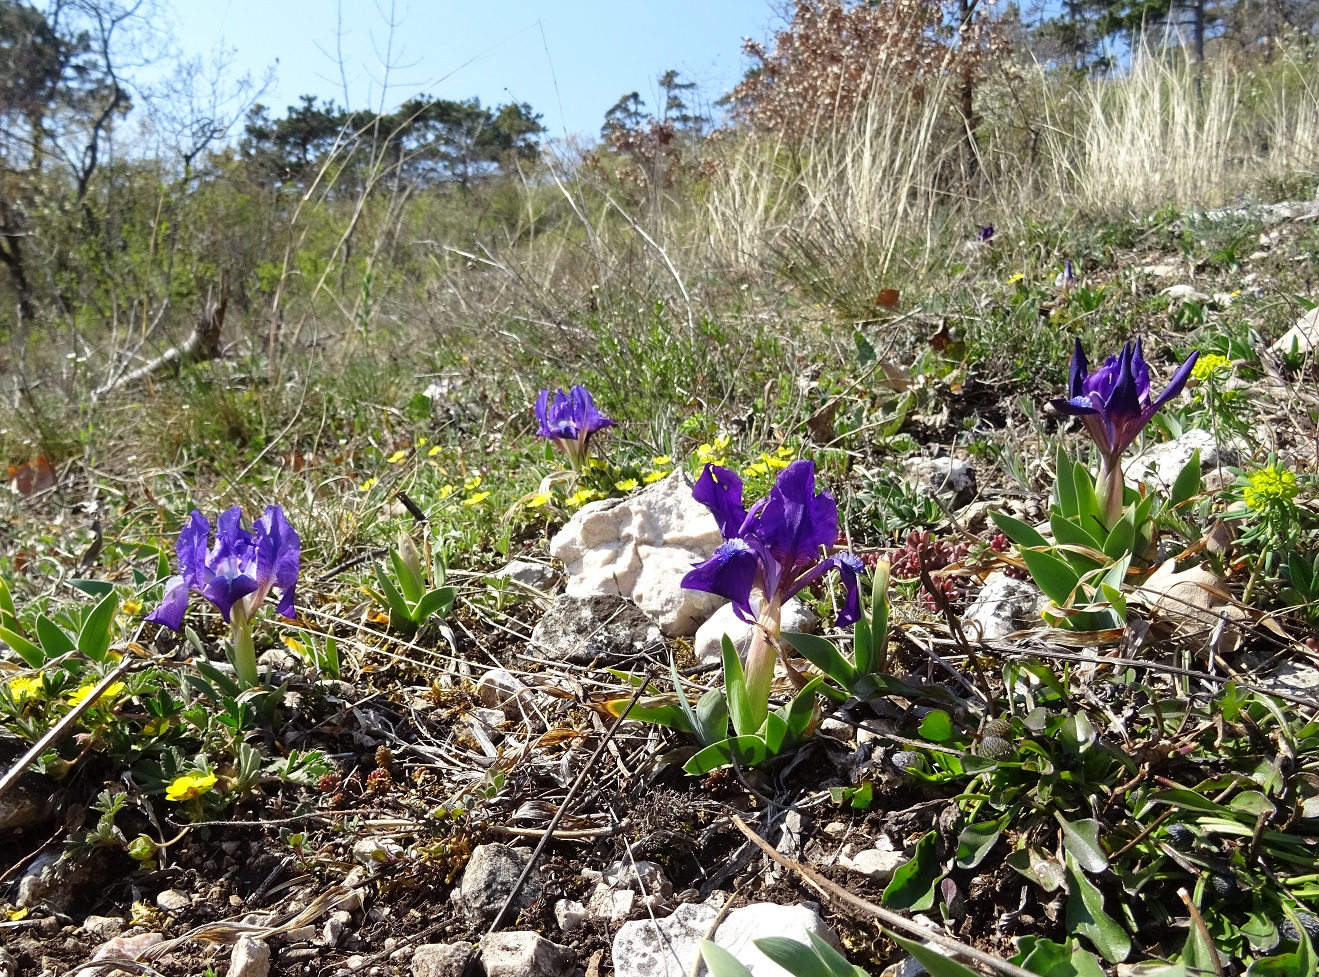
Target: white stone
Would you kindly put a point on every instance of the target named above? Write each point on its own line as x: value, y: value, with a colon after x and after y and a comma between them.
x: 332, y: 932
x: 103, y: 927
x: 251, y: 958
x: 1184, y: 293
x: 122, y: 947
x: 797, y: 617
x: 666, y: 948
x: 301, y: 934
x: 501, y: 689
x: 1304, y: 336
x: 950, y: 479
x: 641, y: 547
x: 173, y: 900
x: 1003, y: 606
x: 373, y: 851
x: 528, y: 575
x: 524, y: 954
x: 876, y: 864
x: 569, y: 914
x: 1164, y: 462
x: 743, y: 926
x: 610, y: 904
x: 440, y: 959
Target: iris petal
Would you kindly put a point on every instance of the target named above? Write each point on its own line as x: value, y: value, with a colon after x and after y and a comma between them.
x: 278, y: 555
x: 720, y: 491
x: 730, y: 572
x: 174, y: 604
x: 796, y: 522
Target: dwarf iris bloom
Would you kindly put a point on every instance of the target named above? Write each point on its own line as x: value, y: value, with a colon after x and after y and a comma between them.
x: 1114, y: 404
x: 985, y: 234
x: 569, y: 420
x: 235, y: 574
x: 769, y: 554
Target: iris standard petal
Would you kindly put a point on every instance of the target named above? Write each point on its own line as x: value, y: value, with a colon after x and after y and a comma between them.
x: 587, y: 415
x: 796, y: 522
x: 1080, y: 368
x: 173, y: 604
x: 278, y: 550
x: 542, y: 417
x: 720, y: 490
x: 191, y: 549
x: 1177, y: 383
x: 850, y: 568
x: 730, y: 572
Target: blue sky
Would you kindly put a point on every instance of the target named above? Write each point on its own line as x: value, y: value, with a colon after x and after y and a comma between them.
x: 570, y: 59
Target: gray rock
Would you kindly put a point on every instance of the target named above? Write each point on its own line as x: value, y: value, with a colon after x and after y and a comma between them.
x: 53, y: 880
x: 373, y: 851
x: 742, y: 926
x: 612, y: 905
x: 876, y: 864
x: 21, y: 807
x: 641, y: 547
x: 1162, y: 463
x: 491, y: 873
x: 1295, y: 677
x: 906, y: 967
x: 251, y: 958
x: 1003, y: 606
x: 797, y: 617
x: 501, y: 689
x: 951, y: 480
x: 538, y: 578
x: 525, y: 954
x: 173, y: 900
x: 103, y: 927
x: 569, y: 914
x: 609, y: 629
x: 8, y: 965
x: 441, y: 959
x: 643, y: 877
x: 1302, y: 337
x: 332, y: 932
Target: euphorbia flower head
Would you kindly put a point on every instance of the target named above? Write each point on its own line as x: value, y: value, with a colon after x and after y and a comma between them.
x: 775, y: 547
x: 1114, y: 404
x: 569, y: 419
x: 238, y: 569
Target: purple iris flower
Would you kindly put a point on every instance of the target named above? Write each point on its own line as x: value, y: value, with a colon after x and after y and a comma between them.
x: 985, y: 234
x: 569, y: 419
x: 775, y: 547
x: 237, y: 571
x: 1114, y: 404
x: 772, y: 550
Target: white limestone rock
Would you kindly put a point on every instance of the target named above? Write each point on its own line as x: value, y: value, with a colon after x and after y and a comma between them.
x: 525, y: 954
x: 950, y: 480
x: 641, y: 547
x: 797, y: 617
x: 1003, y: 606
x: 251, y: 958
x: 1162, y: 463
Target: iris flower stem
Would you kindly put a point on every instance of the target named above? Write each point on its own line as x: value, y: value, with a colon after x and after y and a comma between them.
x: 240, y: 631
x: 759, y: 671
x: 1111, y: 489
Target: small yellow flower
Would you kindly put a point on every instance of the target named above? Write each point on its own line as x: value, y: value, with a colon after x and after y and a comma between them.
x: 475, y: 500
x: 421, y: 442
x: 626, y: 484
x: 132, y: 607
x: 1206, y: 367
x: 446, y: 491
x: 76, y: 697
x: 368, y: 485
x: 294, y: 645
x: 1269, y: 486
x: 28, y: 687
x: 758, y: 468
x: 582, y: 496
x: 433, y: 452
x: 1018, y: 277
x: 785, y: 452
x: 651, y: 477
x: 598, y: 463
x: 189, y: 786
x: 397, y: 457
x: 471, y: 483
x: 538, y: 500
x: 661, y: 461
x: 775, y: 461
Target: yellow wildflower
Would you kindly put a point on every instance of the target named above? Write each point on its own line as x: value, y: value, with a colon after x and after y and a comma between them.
x: 368, y: 485
x: 433, y: 452
x: 477, y: 499
x: 132, y: 607
x: 650, y: 477
x: 661, y: 461
x: 294, y: 645
x: 582, y: 496
x: 189, y: 786
x: 1018, y: 277
x: 626, y: 484
x: 421, y: 442
x: 1269, y: 486
x: 446, y: 491
x: 397, y: 457
x: 538, y: 500
x: 1206, y: 367
x: 758, y: 468
x: 76, y: 697
x: 471, y: 483
x: 27, y: 687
